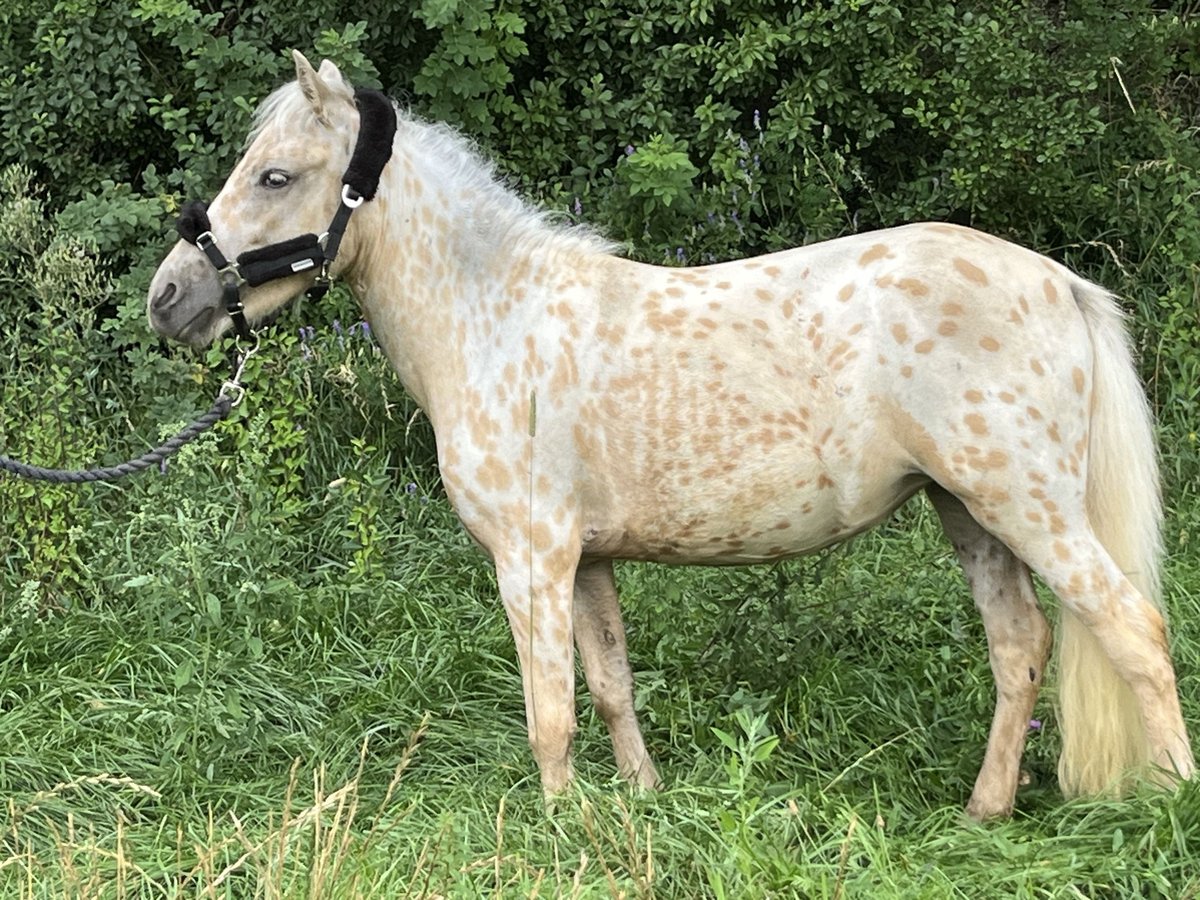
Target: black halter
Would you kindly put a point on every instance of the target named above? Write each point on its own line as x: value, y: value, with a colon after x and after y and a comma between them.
x: 372, y: 150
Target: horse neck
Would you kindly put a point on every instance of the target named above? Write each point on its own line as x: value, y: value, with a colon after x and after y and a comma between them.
x: 450, y: 260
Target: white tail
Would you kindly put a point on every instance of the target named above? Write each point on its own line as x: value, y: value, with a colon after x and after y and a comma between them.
x: 1104, y: 738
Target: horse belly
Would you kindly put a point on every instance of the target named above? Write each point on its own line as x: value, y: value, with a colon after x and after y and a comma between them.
x: 773, y: 508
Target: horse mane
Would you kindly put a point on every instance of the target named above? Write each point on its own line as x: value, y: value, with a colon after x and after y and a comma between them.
x: 455, y: 159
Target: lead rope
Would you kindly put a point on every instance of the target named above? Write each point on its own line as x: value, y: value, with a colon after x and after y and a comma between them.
x: 230, y: 395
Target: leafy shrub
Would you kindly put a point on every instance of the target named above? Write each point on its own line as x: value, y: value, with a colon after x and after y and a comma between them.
x: 694, y: 133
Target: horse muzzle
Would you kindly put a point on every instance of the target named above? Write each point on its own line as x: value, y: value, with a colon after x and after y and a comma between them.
x: 186, y: 309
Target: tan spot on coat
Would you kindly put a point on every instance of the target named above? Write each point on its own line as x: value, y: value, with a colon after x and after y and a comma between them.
x: 973, y: 396
x: 970, y: 271
x: 952, y: 309
x: 976, y: 422
x: 1077, y: 378
x: 1062, y: 551
x: 878, y: 251
x: 914, y: 287
x: 846, y: 292
x: 1036, y: 365
x: 989, y: 343
x: 541, y: 536
x: 924, y: 346
x: 900, y: 333
x: 1050, y: 291
x: 493, y: 474
x: 906, y: 371
x: 947, y: 328
x: 995, y: 459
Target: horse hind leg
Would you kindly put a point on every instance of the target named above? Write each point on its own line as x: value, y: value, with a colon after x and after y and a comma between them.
x: 1018, y: 646
x: 600, y: 637
x: 1118, y: 701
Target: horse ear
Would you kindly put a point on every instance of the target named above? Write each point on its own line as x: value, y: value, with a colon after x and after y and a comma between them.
x: 314, y: 88
x: 322, y: 88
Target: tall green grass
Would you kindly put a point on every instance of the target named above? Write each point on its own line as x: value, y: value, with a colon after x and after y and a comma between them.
x: 281, y: 669
x: 222, y: 719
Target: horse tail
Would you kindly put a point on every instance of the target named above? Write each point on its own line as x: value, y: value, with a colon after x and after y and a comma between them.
x: 1104, y: 738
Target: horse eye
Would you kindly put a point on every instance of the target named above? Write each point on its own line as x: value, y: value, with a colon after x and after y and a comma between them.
x: 275, y: 178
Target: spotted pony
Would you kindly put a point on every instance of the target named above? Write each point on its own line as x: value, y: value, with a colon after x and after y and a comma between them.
x: 589, y: 408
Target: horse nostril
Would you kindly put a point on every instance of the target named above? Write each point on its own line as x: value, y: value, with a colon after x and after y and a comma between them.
x: 162, y: 300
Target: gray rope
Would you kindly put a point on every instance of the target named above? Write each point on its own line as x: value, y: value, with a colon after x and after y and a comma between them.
x: 231, y: 394
x: 220, y: 409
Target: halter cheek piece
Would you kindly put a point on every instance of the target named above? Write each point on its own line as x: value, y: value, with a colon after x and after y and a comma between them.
x: 372, y: 150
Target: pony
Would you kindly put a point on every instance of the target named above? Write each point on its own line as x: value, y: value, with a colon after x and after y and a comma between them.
x: 588, y: 408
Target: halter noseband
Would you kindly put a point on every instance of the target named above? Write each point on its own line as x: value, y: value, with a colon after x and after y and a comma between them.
x: 372, y: 150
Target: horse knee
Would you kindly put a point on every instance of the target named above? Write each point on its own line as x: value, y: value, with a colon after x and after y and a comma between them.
x: 551, y: 744
x: 612, y: 698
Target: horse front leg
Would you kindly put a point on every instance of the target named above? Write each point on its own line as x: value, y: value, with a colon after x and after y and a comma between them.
x: 536, y: 587
x: 600, y: 636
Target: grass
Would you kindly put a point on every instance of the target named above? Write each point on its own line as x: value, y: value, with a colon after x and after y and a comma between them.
x: 284, y: 672
x: 316, y: 734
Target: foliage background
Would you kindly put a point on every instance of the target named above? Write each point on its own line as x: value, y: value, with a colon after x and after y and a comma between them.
x: 297, y: 581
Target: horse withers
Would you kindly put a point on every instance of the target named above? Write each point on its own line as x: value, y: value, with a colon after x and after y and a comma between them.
x: 589, y: 408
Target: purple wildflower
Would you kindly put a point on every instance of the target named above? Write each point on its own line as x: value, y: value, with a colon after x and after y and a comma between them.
x: 1035, y: 724
x: 578, y: 207
x: 629, y: 151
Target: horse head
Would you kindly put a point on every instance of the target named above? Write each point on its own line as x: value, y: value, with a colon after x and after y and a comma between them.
x: 287, y: 183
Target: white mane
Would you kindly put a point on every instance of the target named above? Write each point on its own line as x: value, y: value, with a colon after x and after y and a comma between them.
x: 451, y: 159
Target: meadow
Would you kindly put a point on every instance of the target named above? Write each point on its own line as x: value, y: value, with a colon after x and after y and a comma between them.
x: 281, y: 670
x: 278, y: 667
